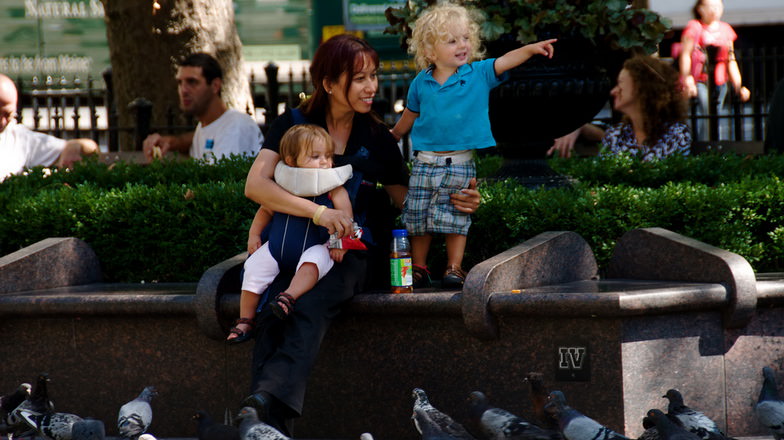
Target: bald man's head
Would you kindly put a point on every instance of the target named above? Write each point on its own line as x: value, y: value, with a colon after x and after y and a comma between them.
x: 8, y: 99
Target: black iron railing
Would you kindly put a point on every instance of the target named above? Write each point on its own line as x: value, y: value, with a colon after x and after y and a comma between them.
x: 76, y: 108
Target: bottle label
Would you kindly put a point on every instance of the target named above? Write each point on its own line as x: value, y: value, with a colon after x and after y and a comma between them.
x: 401, y: 272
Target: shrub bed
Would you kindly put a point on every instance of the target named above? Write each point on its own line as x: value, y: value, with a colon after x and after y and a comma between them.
x: 170, y: 221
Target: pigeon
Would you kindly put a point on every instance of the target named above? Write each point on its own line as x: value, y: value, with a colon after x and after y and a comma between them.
x: 52, y: 425
x: 38, y: 403
x: 770, y: 407
x: 251, y: 428
x: 135, y: 416
x: 539, y: 397
x: 366, y: 436
x: 576, y: 426
x: 668, y: 429
x: 88, y: 429
x: 432, y: 424
x: 499, y: 424
x: 691, y: 419
x: 11, y: 401
x: 650, y: 433
x: 209, y: 430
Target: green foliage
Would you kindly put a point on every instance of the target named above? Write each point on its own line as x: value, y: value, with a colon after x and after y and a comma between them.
x: 170, y: 221
x: 743, y: 217
x: 710, y: 169
x: 612, y: 23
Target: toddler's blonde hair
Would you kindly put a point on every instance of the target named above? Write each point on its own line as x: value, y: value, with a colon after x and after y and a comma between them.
x: 433, y: 26
x: 299, y: 139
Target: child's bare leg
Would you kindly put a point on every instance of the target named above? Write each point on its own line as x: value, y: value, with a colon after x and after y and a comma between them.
x: 249, y: 301
x: 420, y: 246
x: 455, y: 249
x: 304, y: 279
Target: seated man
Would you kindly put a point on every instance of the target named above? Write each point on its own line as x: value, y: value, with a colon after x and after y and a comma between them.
x: 221, y: 131
x: 22, y: 148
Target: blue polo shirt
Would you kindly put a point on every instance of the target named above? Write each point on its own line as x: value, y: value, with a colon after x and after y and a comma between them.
x: 453, y: 115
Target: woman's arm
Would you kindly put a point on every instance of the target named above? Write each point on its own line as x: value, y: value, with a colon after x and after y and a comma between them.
x: 735, y: 78
x: 397, y: 193
x: 342, y: 202
x: 687, y: 46
x: 260, y: 188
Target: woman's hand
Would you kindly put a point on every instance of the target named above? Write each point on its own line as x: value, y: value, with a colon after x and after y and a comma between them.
x: 689, y: 86
x: 338, y: 221
x: 564, y: 145
x: 745, y: 94
x: 468, y: 199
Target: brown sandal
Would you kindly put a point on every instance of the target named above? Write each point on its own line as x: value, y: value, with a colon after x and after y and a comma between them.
x: 241, y: 335
x: 454, y: 277
x: 283, y: 305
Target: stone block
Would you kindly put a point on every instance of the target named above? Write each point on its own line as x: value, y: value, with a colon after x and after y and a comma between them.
x: 659, y: 254
x: 549, y: 258
x: 49, y: 263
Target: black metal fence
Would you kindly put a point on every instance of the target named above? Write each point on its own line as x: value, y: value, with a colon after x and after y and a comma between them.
x: 762, y: 69
x: 76, y: 108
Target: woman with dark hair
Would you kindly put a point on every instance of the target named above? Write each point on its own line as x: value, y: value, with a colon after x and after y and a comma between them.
x: 653, y: 105
x: 706, y: 30
x: 343, y: 73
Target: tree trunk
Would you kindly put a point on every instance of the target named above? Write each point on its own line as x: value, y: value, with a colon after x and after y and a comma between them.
x: 145, y: 43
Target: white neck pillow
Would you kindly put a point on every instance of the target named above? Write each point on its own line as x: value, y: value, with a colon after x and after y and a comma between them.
x: 309, y: 182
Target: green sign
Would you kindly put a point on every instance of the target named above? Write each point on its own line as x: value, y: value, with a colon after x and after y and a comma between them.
x: 272, y: 52
x: 367, y: 15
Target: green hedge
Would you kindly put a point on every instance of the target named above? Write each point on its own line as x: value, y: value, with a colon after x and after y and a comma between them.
x: 745, y: 217
x: 710, y: 169
x: 170, y: 221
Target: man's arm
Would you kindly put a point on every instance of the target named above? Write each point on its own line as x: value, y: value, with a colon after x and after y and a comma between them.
x: 74, y: 150
x: 180, y: 143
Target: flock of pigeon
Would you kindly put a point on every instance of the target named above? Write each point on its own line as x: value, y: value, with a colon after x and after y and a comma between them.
x: 559, y: 421
x: 28, y: 412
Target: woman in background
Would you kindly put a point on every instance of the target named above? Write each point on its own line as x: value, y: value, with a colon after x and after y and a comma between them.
x: 705, y: 30
x: 653, y: 105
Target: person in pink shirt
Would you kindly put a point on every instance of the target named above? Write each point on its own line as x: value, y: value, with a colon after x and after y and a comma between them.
x: 705, y: 30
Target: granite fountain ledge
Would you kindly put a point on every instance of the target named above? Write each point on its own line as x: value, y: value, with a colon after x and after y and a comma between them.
x: 518, y: 312
x: 652, y: 271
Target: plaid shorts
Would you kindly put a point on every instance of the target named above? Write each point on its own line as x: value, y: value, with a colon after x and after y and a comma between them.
x: 428, y: 208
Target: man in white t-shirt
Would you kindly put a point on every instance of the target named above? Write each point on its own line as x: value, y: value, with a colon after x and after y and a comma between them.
x: 22, y: 148
x: 221, y: 131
